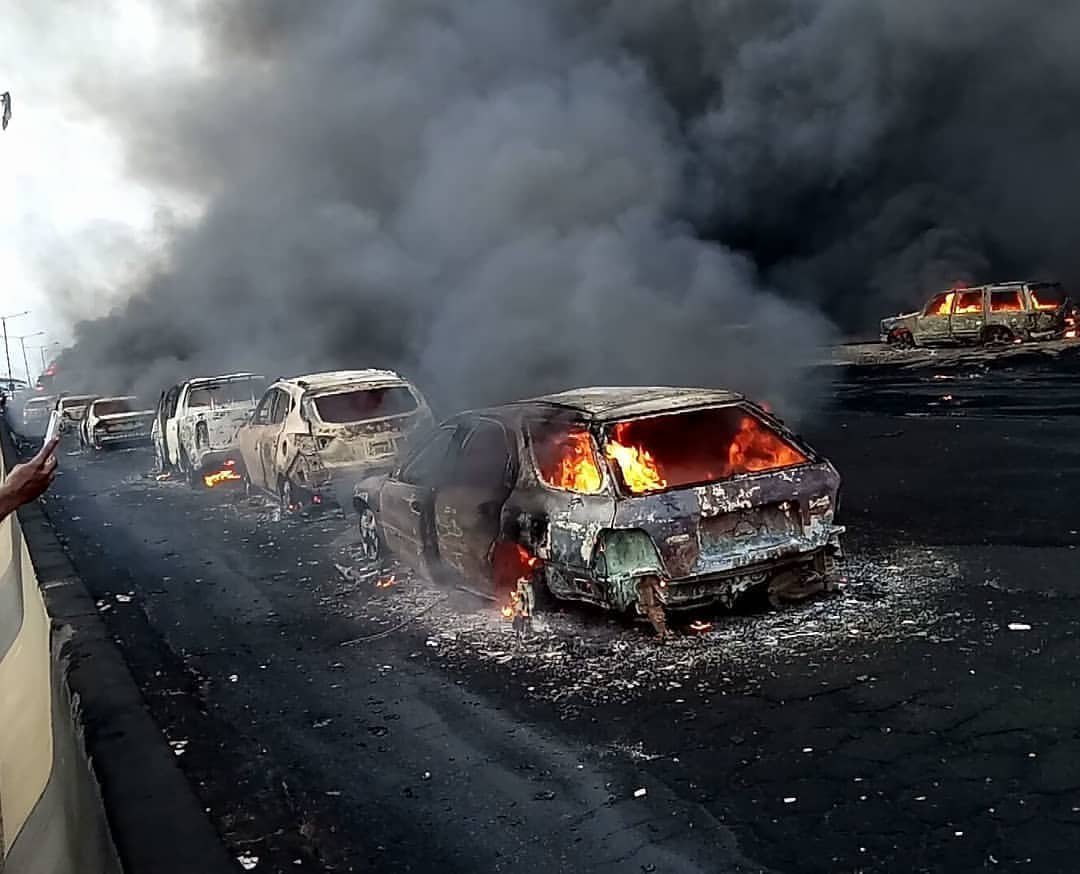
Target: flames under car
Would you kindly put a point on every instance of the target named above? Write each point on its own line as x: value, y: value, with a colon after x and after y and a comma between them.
x: 648, y: 498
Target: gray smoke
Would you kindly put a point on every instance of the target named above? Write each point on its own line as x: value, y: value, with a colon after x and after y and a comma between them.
x: 503, y: 197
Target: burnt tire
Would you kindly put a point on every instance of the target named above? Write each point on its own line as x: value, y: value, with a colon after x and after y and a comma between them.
x: 288, y: 498
x: 996, y: 335
x: 186, y: 469
x: 901, y: 339
x: 370, y: 544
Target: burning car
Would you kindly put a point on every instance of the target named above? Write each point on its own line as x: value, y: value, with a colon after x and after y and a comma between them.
x: 1001, y: 313
x: 72, y: 409
x: 312, y: 437
x: 196, y: 424
x: 115, y: 421
x: 652, y: 499
x: 35, y: 415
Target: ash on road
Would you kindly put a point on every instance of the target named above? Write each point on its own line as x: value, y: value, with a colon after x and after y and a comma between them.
x: 923, y: 720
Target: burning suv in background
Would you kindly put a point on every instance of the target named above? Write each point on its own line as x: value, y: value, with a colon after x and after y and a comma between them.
x: 197, y: 421
x: 652, y: 499
x: 312, y: 437
x: 115, y: 421
x: 1002, y: 313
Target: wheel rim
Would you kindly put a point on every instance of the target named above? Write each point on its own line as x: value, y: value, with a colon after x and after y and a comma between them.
x: 369, y: 537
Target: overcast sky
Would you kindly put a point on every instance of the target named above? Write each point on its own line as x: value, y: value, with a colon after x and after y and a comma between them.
x: 67, y: 197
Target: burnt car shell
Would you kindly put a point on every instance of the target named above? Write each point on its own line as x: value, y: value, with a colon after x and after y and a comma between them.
x: 709, y: 542
x: 704, y: 542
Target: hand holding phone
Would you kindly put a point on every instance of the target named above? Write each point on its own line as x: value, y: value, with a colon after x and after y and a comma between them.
x: 52, y: 432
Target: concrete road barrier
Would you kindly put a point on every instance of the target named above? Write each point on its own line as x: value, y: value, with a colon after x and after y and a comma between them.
x: 88, y: 783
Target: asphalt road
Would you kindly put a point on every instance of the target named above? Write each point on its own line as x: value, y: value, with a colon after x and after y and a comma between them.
x: 900, y: 726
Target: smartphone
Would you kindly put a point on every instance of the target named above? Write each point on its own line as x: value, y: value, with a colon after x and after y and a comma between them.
x: 53, y: 431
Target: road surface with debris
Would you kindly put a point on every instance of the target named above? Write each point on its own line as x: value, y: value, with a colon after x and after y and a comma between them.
x: 335, y: 716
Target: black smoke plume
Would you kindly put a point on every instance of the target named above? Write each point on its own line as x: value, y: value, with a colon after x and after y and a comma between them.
x: 501, y: 197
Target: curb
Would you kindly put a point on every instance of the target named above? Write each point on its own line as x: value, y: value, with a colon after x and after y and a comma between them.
x: 155, y: 819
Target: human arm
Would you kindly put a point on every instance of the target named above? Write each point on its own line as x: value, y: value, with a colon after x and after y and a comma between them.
x: 25, y: 482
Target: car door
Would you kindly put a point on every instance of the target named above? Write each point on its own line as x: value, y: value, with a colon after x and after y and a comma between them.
x: 271, y: 448
x: 171, y: 430
x: 468, y: 504
x: 405, y: 501
x: 248, y: 438
x: 968, y: 314
x: 932, y: 325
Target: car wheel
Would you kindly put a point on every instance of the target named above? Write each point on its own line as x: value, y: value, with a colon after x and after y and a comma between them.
x: 996, y: 334
x: 187, y: 470
x: 901, y: 339
x: 369, y: 535
x: 287, y: 496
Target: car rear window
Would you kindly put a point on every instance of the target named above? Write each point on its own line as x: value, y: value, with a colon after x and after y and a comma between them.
x: 699, y: 446
x: 1047, y: 296
x: 111, y: 408
x: 233, y: 392
x: 359, y: 405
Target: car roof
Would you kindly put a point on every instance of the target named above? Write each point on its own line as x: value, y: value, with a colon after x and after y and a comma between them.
x: 116, y: 398
x: 604, y: 403
x: 201, y: 381
x: 51, y: 399
x: 333, y: 378
x: 66, y: 398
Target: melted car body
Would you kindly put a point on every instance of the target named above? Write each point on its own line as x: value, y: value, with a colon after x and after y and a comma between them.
x: 115, y: 421
x: 197, y: 421
x: 1004, y: 312
x: 310, y: 438
x: 699, y: 493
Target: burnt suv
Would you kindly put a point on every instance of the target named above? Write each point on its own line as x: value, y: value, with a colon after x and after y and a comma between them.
x: 651, y: 499
x: 1001, y: 313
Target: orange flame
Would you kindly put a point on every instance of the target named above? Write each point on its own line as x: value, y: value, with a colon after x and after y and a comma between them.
x: 576, y: 469
x: 699, y: 627
x: 386, y: 582
x: 756, y: 448
x: 638, y: 466
x: 226, y: 474
x: 1042, y: 306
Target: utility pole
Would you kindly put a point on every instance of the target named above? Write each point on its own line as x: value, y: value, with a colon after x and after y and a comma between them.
x: 22, y: 342
x: 7, y: 352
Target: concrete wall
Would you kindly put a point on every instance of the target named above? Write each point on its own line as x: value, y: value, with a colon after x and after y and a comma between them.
x: 52, y: 819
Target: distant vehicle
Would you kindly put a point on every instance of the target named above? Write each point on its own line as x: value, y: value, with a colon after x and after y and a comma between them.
x: 312, y: 437
x: 1001, y: 313
x: 72, y: 409
x: 196, y: 422
x: 652, y: 499
x: 116, y: 421
x: 35, y: 415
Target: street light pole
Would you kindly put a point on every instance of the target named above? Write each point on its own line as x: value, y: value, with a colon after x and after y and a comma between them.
x: 22, y: 342
x: 7, y: 353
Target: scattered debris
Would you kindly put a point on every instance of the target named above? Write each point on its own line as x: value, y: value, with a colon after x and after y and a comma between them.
x: 247, y: 861
x: 1019, y: 626
x: 641, y: 793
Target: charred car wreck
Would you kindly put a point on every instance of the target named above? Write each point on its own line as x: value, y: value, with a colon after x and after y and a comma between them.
x: 311, y: 438
x: 646, y: 499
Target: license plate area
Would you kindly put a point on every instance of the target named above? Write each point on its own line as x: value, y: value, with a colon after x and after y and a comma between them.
x: 759, y: 526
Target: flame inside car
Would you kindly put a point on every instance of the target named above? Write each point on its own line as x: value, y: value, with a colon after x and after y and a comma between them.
x: 681, y: 450
x: 569, y: 462
x: 637, y: 464
x: 226, y: 474
x: 386, y: 582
